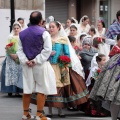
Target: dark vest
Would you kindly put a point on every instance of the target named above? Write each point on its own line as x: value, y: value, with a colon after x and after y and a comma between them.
x: 32, y: 41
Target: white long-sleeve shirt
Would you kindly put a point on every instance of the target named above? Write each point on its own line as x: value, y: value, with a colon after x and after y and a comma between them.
x: 43, y: 56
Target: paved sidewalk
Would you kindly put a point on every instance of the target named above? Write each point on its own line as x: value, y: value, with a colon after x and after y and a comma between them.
x: 11, y: 109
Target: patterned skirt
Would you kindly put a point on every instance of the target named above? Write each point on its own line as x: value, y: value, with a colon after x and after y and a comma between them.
x: 69, y: 95
x: 107, y: 86
x: 10, y: 88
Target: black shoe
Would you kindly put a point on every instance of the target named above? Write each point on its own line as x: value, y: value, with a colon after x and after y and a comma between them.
x: 50, y: 116
x: 61, y: 115
x: 9, y: 94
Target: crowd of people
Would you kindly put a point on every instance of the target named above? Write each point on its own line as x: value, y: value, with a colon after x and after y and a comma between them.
x: 74, y: 66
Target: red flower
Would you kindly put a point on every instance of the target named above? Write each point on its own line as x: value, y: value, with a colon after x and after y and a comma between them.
x: 10, y: 44
x: 63, y: 60
x: 96, y: 41
x: 76, y: 47
x: 99, y: 70
x: 99, y: 40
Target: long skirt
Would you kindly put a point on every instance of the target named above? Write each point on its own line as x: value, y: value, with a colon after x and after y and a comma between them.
x: 107, y: 86
x: 11, y: 88
x: 69, y: 95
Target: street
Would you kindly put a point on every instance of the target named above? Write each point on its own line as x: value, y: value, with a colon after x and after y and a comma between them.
x: 11, y: 109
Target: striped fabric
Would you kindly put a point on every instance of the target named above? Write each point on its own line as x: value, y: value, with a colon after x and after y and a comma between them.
x: 113, y: 30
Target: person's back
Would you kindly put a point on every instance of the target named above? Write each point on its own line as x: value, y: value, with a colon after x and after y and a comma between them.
x: 32, y: 38
x: 35, y: 47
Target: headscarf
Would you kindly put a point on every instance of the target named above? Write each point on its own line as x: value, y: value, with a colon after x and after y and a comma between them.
x: 74, y: 20
x: 81, y: 20
x: 15, y: 23
x: 48, y: 20
x: 88, y: 40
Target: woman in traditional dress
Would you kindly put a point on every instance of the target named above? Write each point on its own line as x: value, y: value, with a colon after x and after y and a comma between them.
x: 101, y: 30
x: 72, y: 91
x: 107, y: 85
x: 23, y: 24
x: 75, y: 33
x: 84, y: 24
x: 102, y: 47
x: 11, y: 77
x: 68, y: 24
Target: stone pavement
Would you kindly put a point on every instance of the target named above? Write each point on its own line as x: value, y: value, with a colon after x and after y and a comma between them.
x: 11, y: 109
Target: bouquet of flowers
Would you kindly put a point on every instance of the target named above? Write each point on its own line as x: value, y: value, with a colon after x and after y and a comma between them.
x: 64, y: 62
x: 96, y: 73
x: 98, y: 40
x: 10, y: 48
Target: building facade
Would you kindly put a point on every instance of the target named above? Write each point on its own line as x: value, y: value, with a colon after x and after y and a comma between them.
x: 95, y: 9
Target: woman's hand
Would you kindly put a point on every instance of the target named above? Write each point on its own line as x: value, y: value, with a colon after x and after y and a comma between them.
x: 14, y: 56
x: 53, y: 53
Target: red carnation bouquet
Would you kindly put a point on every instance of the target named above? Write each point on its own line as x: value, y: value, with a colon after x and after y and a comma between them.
x: 64, y: 62
x: 10, y: 48
x: 97, y: 41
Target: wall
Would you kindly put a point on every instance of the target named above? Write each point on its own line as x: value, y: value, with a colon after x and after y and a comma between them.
x: 23, y: 9
x: 23, y: 4
x: 72, y: 8
x: 115, y: 6
x: 58, y: 9
x: 87, y: 7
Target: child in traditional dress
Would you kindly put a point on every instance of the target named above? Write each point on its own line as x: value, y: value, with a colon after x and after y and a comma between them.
x: 94, y: 108
x: 107, y: 86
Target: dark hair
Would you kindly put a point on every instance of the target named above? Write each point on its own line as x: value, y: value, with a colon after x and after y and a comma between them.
x: 102, y: 22
x: 20, y: 19
x: 118, y: 37
x: 85, y: 18
x: 92, y: 29
x: 71, y: 38
x: 57, y: 24
x: 118, y: 14
x: 99, y: 57
x: 73, y: 26
x: 72, y: 21
x: 35, y: 18
x: 43, y: 22
x: 83, y: 35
